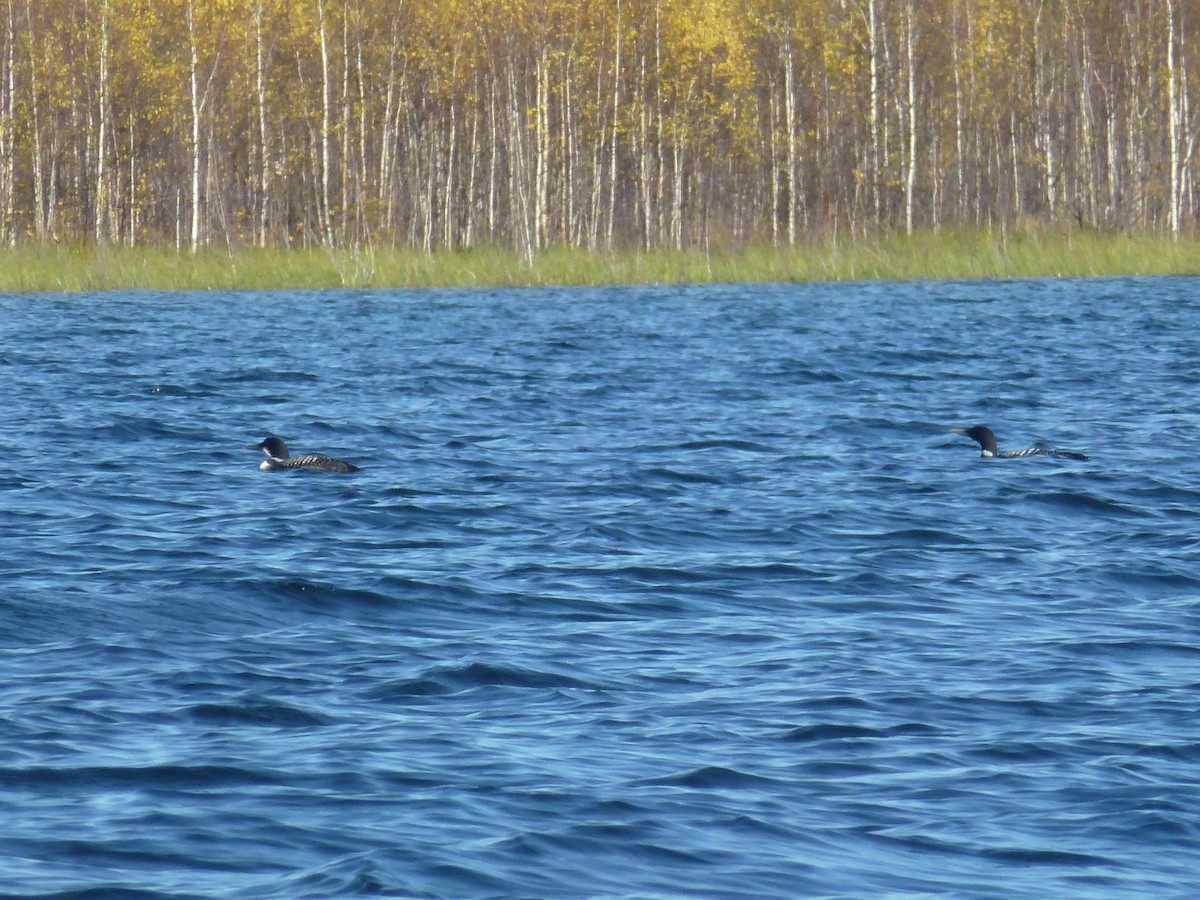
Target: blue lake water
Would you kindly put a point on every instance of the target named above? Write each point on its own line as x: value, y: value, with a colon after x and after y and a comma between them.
x: 640, y: 592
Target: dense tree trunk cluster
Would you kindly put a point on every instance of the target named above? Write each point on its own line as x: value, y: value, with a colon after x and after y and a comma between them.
x: 531, y: 123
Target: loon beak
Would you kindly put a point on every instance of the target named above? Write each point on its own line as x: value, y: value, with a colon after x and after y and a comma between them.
x: 959, y: 430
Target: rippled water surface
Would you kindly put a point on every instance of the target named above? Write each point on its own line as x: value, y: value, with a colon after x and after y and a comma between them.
x: 639, y: 592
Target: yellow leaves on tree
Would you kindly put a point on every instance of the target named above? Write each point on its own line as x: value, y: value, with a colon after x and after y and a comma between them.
x: 710, y: 70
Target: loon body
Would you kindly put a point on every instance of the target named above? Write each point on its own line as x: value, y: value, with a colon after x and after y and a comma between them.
x: 277, y: 458
x: 987, y: 440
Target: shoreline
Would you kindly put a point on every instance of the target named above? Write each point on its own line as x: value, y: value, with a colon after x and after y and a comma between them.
x: 934, y: 256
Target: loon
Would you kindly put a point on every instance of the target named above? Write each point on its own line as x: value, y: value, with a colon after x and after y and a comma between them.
x: 277, y: 458
x: 987, y: 441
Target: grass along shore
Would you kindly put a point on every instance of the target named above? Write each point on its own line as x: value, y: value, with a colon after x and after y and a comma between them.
x: 928, y: 255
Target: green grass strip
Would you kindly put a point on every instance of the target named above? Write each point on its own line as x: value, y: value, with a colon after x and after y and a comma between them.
x: 927, y: 255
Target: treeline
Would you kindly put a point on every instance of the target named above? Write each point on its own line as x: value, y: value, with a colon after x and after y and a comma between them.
x: 591, y: 123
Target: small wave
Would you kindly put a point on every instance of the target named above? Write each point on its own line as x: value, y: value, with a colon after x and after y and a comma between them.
x: 1037, y: 856
x: 742, y: 446
x: 678, y: 476
x: 750, y: 572
x: 258, y: 375
x: 803, y: 375
x: 1020, y: 855
x: 832, y: 731
x: 355, y: 875
x: 1156, y: 579
x: 275, y: 715
x: 712, y: 778
x: 126, y: 428
x: 137, y: 777
x: 1074, y: 501
x: 107, y: 893
x: 840, y: 702
x: 916, y: 537
x: 176, y: 390
x: 403, y: 690
x: 660, y: 576
x: 1137, y: 648
x: 316, y: 593
x: 481, y: 674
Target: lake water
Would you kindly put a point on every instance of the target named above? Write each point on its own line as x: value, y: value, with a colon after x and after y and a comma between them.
x: 640, y: 592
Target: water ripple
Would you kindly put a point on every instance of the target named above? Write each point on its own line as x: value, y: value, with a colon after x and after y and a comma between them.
x: 645, y: 591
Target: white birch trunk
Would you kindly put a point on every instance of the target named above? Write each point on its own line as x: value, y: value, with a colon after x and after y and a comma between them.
x: 101, y: 202
x: 197, y: 105
x: 910, y: 180
x: 468, y: 235
x: 264, y: 176
x: 789, y: 114
x: 493, y: 163
x: 40, y: 212
x: 568, y: 159
x: 448, y: 198
x: 960, y: 147
x: 876, y: 130
x: 616, y: 118
x: 1173, y: 124
x: 133, y: 205
x: 326, y: 153
x: 540, y: 141
x: 9, y: 227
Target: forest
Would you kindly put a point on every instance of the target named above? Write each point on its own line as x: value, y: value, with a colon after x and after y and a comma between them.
x: 595, y: 124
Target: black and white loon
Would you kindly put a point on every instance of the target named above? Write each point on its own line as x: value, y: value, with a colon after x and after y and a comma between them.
x: 277, y: 458
x: 987, y: 441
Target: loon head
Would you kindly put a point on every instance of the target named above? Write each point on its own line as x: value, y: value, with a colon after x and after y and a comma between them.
x: 982, y: 435
x: 273, y: 447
